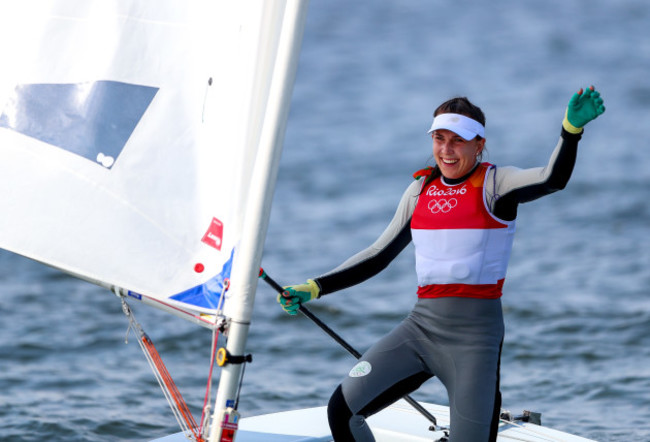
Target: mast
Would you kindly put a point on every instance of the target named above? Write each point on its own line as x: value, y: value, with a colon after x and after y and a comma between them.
x: 244, y: 277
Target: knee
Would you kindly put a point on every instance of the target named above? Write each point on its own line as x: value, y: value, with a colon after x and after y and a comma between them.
x: 344, y: 424
x: 338, y: 413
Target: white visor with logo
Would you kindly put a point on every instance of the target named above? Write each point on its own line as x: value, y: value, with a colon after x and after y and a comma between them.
x: 464, y: 126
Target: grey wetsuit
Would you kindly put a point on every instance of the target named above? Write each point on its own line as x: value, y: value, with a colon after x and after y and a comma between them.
x: 456, y: 339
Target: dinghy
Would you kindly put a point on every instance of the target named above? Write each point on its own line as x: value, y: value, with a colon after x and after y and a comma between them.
x: 397, y: 423
x: 139, y: 149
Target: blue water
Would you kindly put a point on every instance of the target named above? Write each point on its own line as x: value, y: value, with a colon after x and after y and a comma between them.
x: 577, y: 297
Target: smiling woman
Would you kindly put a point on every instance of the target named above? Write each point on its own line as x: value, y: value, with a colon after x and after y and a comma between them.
x: 454, y: 155
x: 458, y: 132
x: 461, y: 219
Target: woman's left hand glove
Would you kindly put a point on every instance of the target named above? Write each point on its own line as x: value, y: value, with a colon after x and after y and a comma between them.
x: 295, y: 295
x: 582, y: 108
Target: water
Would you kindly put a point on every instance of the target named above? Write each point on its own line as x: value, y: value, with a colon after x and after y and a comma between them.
x: 576, y: 300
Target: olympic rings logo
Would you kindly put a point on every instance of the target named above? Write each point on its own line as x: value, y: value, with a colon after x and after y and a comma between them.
x: 442, y: 205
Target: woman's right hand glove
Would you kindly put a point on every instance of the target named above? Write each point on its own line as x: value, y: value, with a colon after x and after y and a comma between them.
x: 582, y: 108
x: 295, y: 295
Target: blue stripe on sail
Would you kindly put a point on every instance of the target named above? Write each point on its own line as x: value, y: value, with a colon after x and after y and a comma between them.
x: 207, y: 295
x: 93, y: 119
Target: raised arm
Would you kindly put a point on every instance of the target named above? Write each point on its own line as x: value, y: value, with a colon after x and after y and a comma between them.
x: 510, y: 186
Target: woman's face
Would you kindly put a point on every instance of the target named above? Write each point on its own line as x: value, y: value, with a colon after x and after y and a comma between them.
x: 454, y: 155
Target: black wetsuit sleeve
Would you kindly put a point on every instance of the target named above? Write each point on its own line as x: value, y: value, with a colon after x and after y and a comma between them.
x: 515, y: 186
x: 366, y: 268
x: 375, y: 258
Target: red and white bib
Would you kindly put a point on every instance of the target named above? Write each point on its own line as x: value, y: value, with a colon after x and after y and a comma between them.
x: 461, y: 249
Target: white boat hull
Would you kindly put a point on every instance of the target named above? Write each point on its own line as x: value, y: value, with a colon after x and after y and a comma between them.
x: 398, y: 423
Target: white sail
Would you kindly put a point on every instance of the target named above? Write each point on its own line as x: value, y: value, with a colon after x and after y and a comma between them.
x: 129, y: 130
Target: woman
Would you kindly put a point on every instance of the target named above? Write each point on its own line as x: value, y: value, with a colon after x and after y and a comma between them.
x: 460, y: 216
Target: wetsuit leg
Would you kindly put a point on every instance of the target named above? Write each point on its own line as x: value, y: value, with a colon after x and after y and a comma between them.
x: 474, y: 397
x: 464, y: 350
x: 385, y: 373
x: 496, y: 412
x: 456, y: 339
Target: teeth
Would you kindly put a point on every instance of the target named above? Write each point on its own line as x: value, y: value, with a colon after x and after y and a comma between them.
x: 449, y: 161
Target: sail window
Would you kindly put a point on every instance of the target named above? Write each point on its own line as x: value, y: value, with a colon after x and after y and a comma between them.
x: 92, y: 119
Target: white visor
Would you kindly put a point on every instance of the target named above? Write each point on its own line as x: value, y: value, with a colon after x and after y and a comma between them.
x: 467, y: 128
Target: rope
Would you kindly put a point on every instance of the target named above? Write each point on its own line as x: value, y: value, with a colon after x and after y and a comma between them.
x: 176, y: 402
x: 172, y: 390
x: 219, y: 327
x: 205, y: 416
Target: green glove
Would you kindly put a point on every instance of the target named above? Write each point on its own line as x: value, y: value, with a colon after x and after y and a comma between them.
x: 582, y: 108
x: 295, y: 295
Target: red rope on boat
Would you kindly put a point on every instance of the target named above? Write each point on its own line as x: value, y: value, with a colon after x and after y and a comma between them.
x: 215, y: 341
x: 169, y: 383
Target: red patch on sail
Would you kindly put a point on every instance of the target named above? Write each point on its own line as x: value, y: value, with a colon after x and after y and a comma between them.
x: 214, y: 236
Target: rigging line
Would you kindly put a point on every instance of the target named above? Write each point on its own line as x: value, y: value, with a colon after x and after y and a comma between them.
x: 222, y: 297
x: 137, y: 329
x: 219, y: 325
x: 170, y: 384
x: 176, y: 402
x: 177, y: 415
x: 158, y: 373
x: 205, y: 415
x: 241, y: 382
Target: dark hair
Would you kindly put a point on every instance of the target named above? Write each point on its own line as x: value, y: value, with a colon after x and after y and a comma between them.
x: 462, y: 106
x: 456, y: 105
